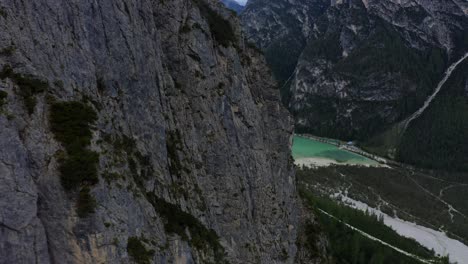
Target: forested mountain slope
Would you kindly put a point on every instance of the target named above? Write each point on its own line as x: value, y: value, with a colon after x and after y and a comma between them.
x: 368, y: 65
x: 281, y: 29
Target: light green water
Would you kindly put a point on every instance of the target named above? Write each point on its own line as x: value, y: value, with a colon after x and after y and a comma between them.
x: 309, y: 148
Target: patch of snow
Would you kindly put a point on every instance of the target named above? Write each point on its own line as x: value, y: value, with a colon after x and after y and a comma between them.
x: 428, y: 101
x: 241, y: 2
x: 376, y: 239
x: 316, y: 162
x: 432, y: 239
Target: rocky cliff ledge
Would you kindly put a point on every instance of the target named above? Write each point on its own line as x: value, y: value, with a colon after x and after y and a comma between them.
x: 139, y: 131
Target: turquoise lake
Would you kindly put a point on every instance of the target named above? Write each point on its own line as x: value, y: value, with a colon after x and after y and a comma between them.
x: 309, y: 148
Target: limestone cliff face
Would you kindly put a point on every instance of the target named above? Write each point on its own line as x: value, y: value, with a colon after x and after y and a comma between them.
x: 188, y: 118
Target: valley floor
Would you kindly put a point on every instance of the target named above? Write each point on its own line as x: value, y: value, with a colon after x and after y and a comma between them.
x: 429, y: 207
x: 429, y: 238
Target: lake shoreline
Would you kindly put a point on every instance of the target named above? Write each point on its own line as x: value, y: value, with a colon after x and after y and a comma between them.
x: 324, y: 162
x: 315, y: 152
x: 351, y: 148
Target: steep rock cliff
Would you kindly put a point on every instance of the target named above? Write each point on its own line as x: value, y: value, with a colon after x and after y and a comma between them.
x: 186, y: 143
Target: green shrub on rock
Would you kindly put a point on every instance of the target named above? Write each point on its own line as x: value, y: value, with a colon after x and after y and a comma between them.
x: 29, y: 86
x: 71, y: 124
x: 86, y: 203
x: 137, y: 250
x: 178, y: 222
x: 3, y: 96
x: 78, y: 168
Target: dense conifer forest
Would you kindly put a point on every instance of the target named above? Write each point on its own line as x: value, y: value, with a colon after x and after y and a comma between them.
x: 348, y: 246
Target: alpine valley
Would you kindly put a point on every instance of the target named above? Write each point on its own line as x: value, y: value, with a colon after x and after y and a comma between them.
x: 206, y: 131
x: 386, y: 79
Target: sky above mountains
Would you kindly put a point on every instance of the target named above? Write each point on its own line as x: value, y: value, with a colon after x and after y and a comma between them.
x: 241, y: 2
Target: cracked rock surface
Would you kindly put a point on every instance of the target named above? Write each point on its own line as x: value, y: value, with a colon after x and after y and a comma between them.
x: 209, y: 134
